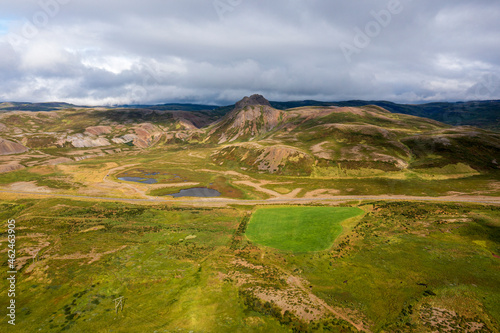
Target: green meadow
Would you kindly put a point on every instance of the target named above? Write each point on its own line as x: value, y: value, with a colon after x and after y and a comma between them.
x: 298, y: 229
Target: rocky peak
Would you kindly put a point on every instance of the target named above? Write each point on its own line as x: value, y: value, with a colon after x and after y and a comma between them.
x: 252, y: 100
x: 252, y: 117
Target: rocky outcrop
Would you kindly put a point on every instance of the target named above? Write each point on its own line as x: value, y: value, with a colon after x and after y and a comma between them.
x: 83, y: 141
x: 9, y: 147
x: 252, y: 101
x: 146, y: 135
x: 124, y: 139
x: 98, y: 130
x: 184, y: 124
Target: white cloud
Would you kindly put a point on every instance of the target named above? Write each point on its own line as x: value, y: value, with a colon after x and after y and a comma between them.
x: 159, y: 51
x: 113, y: 64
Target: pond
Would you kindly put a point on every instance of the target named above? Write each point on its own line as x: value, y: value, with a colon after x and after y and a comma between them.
x: 139, y: 180
x: 150, y: 176
x: 200, y: 192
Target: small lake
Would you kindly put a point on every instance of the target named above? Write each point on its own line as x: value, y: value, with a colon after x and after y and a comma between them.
x: 200, y: 192
x: 139, y: 180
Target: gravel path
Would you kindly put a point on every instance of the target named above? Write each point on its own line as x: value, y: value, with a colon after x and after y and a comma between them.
x: 467, y: 199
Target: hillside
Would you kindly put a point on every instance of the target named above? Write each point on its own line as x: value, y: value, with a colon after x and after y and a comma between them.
x: 60, y: 136
x: 8, y: 147
x: 324, y: 140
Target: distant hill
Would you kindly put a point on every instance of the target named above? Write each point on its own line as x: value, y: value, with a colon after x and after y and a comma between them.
x: 21, y: 106
x: 483, y: 114
x: 174, y: 107
x: 54, y: 106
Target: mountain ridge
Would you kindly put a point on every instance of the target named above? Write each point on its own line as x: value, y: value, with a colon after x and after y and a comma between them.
x: 483, y: 114
x: 255, y: 136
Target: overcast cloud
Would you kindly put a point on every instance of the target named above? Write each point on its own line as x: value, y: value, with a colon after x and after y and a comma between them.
x: 157, y: 51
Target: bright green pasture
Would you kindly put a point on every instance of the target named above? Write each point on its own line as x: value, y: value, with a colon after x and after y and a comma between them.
x: 298, y: 229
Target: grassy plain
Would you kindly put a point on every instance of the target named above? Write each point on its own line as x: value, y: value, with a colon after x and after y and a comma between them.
x: 190, y: 268
x: 87, y: 254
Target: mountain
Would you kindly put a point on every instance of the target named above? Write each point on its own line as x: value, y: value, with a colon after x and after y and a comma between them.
x: 251, y: 118
x: 100, y: 127
x: 257, y: 136
x: 326, y: 139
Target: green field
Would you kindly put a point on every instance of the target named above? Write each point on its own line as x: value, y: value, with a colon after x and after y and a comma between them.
x: 298, y: 229
x: 396, y: 267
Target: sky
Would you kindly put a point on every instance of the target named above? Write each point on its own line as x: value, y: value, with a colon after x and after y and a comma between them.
x: 95, y: 52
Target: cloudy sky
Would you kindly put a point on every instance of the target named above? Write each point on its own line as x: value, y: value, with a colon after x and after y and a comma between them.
x: 217, y: 51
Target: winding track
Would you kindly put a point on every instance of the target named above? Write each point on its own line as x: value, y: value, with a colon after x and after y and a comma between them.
x: 465, y: 199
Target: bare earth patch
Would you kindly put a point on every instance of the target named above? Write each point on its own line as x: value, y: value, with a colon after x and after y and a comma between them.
x: 10, y: 167
x: 259, y: 187
x: 97, y: 227
x: 244, y: 263
x: 444, y: 320
x: 286, y: 299
x: 29, y: 187
x: 93, y: 256
x: 58, y: 160
x: 322, y: 193
x: 320, y: 152
x: 31, y: 251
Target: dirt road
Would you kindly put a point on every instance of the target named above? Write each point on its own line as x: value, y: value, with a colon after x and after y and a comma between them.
x: 215, y: 201
x: 359, y: 325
